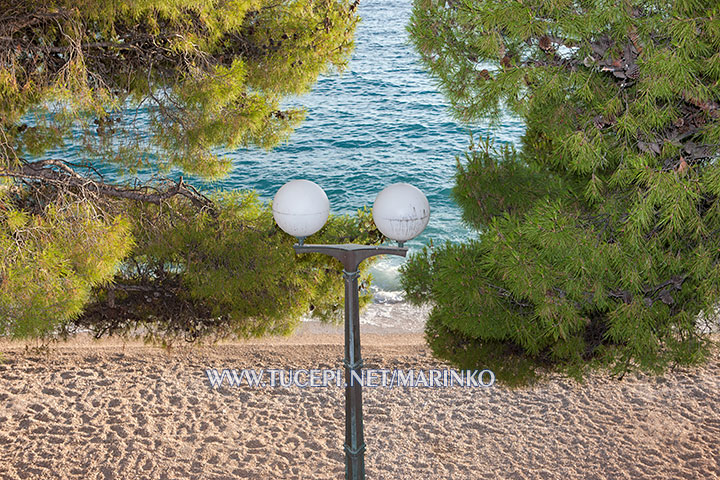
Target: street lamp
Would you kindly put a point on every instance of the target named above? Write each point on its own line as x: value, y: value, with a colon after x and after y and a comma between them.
x: 401, y: 212
x: 301, y: 208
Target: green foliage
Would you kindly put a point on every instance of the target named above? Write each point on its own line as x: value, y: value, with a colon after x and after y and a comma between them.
x: 51, y: 261
x: 207, y: 73
x: 598, y: 243
x: 488, y: 183
x: 155, y: 86
x: 222, y: 273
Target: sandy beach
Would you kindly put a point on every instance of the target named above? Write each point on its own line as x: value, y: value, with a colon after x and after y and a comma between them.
x: 114, y: 410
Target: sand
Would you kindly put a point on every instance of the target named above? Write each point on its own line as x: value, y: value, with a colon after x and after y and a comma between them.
x: 104, y: 410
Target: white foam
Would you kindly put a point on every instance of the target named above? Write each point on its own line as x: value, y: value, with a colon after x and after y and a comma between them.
x: 386, y: 274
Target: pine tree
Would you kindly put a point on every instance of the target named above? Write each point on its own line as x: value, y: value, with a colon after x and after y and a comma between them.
x: 151, y: 87
x: 599, y: 240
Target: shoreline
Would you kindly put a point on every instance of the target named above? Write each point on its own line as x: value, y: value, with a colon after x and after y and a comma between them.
x: 396, y: 323
x: 308, y: 333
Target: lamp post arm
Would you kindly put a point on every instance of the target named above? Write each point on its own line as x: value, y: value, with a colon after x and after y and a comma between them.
x: 350, y: 255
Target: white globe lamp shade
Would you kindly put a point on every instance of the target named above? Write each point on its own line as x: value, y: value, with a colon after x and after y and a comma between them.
x: 301, y: 208
x: 401, y: 212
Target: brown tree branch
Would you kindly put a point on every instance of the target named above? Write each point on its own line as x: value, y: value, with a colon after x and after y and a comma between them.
x: 58, y: 173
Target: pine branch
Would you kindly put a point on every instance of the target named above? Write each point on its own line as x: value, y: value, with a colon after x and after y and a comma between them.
x: 59, y: 174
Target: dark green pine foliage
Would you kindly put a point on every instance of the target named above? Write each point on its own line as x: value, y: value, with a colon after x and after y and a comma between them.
x: 599, y: 240
x: 152, y: 86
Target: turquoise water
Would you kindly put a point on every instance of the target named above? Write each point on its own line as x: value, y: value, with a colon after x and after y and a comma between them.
x: 382, y: 121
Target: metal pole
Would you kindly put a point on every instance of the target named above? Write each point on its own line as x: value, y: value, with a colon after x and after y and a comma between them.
x: 354, y: 435
x: 351, y: 255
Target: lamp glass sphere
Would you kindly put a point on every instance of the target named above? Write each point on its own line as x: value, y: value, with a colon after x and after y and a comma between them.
x: 301, y: 208
x: 401, y: 212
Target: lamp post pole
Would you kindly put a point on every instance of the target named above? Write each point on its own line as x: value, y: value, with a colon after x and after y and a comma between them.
x: 351, y: 256
x: 400, y: 213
